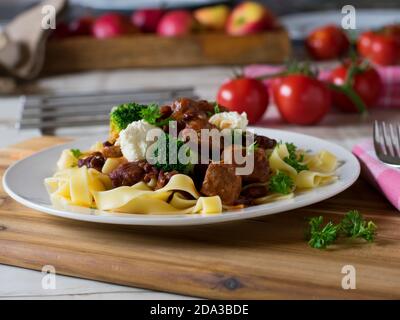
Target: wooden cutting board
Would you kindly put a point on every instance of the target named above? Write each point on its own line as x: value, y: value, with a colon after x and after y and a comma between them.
x: 257, y: 258
x: 149, y: 50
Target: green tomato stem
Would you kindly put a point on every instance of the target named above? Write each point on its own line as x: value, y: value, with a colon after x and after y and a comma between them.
x: 350, y: 93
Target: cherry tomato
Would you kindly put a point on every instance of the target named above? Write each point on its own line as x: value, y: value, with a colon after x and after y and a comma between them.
x: 301, y: 99
x: 244, y: 95
x: 327, y: 42
x: 382, y: 47
x: 367, y: 84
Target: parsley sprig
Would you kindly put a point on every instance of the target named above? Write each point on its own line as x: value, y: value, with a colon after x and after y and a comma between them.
x: 76, y: 153
x: 151, y: 114
x: 216, y: 110
x: 322, y: 236
x: 281, y: 183
x: 352, y: 226
x: 293, y: 160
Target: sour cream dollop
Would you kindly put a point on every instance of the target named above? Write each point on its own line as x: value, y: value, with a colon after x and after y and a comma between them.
x: 132, y: 140
x: 229, y: 120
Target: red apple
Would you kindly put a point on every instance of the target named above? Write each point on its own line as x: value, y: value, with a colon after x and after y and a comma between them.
x: 213, y: 17
x: 60, y: 32
x: 249, y: 17
x: 176, y: 23
x: 146, y: 20
x: 81, y: 26
x: 111, y: 25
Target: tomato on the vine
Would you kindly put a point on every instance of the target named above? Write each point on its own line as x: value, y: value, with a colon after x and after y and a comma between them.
x: 365, y: 82
x: 381, y: 47
x: 328, y: 42
x: 244, y: 95
x: 301, y: 99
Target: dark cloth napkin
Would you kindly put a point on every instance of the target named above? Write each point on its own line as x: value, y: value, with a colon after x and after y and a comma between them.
x: 22, y: 45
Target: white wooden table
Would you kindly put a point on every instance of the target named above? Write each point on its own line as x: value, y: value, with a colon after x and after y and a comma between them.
x: 21, y: 283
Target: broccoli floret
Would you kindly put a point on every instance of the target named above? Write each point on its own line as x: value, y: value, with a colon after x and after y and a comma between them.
x: 121, y: 116
x: 162, y: 159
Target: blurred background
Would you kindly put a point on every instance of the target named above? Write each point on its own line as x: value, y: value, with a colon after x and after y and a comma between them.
x: 8, y: 8
x: 107, y: 52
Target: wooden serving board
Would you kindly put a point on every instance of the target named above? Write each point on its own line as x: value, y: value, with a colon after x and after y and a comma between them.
x: 141, y: 50
x: 257, y: 258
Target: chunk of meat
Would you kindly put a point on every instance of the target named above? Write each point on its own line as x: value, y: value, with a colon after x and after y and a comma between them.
x: 96, y: 161
x: 165, y: 112
x: 264, y: 142
x: 255, y: 192
x: 107, y: 144
x: 164, y: 177
x: 127, y: 174
x: 261, y: 171
x: 184, y: 106
x: 130, y: 173
x: 112, y: 152
x: 199, y: 172
x: 194, y: 114
x: 221, y: 180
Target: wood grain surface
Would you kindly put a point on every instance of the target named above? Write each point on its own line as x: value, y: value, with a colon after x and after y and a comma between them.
x: 261, y: 258
x: 84, y: 53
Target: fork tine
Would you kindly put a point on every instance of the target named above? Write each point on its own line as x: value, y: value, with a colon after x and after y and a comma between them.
x: 387, y: 139
x: 398, y: 136
x: 378, y: 138
x: 395, y: 140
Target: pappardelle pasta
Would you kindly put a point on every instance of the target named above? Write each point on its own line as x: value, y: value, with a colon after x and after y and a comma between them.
x: 129, y: 174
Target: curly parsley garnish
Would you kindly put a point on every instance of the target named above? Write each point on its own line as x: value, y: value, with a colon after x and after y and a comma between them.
x: 352, y: 226
x: 293, y: 160
x: 151, y: 114
x: 165, y: 155
x: 322, y: 236
x: 76, y: 153
x: 216, y: 110
x: 281, y: 183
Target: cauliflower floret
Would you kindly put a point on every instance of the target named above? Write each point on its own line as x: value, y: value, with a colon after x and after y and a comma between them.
x: 132, y: 140
x: 229, y: 120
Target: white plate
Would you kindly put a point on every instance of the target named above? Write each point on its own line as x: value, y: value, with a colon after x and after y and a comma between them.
x: 23, y: 181
x: 301, y: 24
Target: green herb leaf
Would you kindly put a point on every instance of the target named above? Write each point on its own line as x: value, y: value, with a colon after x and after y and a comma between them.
x: 152, y: 114
x: 252, y: 148
x: 167, y: 159
x: 294, y: 161
x: 291, y: 148
x: 281, y: 183
x: 76, y: 153
x: 320, y: 237
x: 216, y: 108
x: 353, y: 225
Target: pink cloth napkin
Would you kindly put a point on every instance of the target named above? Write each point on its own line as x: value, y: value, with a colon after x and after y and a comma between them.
x: 385, y: 177
x: 390, y: 78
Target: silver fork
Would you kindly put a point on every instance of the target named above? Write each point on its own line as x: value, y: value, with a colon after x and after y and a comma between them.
x: 387, y: 142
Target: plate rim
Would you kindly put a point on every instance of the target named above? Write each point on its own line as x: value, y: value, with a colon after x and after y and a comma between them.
x: 180, y: 220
